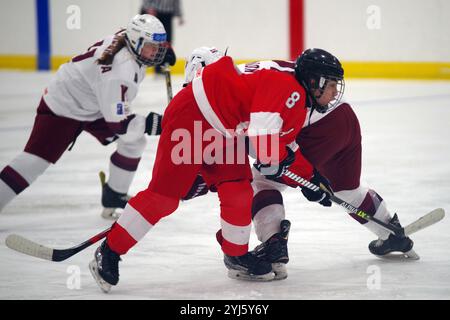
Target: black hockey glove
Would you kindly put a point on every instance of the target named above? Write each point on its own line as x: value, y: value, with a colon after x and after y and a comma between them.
x: 321, y: 196
x: 153, y: 124
x: 274, y: 172
x: 170, y: 57
x: 198, y: 188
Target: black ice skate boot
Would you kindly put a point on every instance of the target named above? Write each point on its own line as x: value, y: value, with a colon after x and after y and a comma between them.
x: 248, y: 267
x: 275, y: 250
x: 111, y: 200
x: 393, y: 243
x: 105, y: 267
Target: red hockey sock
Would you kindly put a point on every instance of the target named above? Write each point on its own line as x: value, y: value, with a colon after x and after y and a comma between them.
x: 235, y: 211
x: 141, y: 213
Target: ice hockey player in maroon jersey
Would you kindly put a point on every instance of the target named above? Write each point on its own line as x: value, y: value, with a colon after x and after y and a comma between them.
x: 268, y: 107
x: 331, y: 140
x: 94, y: 93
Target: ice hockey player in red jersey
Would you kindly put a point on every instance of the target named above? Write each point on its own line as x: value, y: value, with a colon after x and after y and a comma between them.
x: 93, y: 93
x: 268, y: 107
x: 331, y: 140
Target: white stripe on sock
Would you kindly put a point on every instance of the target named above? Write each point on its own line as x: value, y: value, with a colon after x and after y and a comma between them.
x: 236, y: 234
x: 134, y: 223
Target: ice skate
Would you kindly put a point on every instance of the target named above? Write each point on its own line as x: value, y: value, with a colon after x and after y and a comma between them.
x: 394, y: 246
x: 105, y: 267
x: 275, y: 251
x: 112, y: 200
x: 248, y: 267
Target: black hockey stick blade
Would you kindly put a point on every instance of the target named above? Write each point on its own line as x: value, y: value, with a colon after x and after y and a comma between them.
x: 31, y: 248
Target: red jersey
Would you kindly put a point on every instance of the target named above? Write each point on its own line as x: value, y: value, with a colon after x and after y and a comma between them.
x: 265, y: 104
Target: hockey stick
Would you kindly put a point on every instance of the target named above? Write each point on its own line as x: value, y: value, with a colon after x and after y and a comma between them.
x: 421, y: 223
x: 31, y: 248
x: 166, y: 70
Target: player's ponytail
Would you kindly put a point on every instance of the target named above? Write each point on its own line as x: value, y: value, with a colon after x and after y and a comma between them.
x: 116, y: 45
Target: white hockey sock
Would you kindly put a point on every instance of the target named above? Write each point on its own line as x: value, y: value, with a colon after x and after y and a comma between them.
x: 120, y: 179
x: 124, y: 163
x: 19, y: 174
x: 6, y: 194
x: 268, y: 212
x: 369, y: 201
x: 267, y: 221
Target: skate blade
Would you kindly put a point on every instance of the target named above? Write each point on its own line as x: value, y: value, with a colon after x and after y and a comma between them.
x: 110, y: 214
x: 104, y: 286
x: 280, y: 271
x: 242, y: 275
x: 409, y: 255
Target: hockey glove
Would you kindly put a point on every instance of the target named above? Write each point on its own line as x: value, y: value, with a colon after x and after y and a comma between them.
x: 170, y: 57
x: 274, y: 172
x: 153, y: 124
x: 198, y: 188
x: 322, y: 196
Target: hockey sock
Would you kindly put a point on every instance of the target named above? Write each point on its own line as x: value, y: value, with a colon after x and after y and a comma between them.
x: 235, y: 212
x: 267, y: 213
x: 370, y: 202
x: 121, y: 172
x: 140, y: 214
x: 19, y: 174
x: 124, y: 163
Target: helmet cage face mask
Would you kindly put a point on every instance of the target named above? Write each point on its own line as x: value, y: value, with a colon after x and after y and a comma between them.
x: 319, y: 83
x: 157, y: 58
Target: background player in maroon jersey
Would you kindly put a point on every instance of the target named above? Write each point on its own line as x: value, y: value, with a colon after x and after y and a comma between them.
x: 331, y: 140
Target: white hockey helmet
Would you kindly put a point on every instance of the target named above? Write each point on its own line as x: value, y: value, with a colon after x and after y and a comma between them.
x: 199, y: 58
x: 146, y: 29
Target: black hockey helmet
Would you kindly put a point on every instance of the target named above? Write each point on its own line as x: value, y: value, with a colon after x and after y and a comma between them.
x: 313, y: 69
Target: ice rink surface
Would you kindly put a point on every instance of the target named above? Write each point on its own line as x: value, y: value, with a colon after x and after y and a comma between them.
x: 406, y: 159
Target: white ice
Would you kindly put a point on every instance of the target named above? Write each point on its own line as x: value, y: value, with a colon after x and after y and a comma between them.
x: 406, y: 159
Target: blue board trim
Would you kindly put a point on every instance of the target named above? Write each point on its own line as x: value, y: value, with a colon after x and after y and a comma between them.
x: 43, y: 34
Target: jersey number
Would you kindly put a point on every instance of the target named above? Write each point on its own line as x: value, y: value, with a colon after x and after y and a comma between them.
x: 292, y: 100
